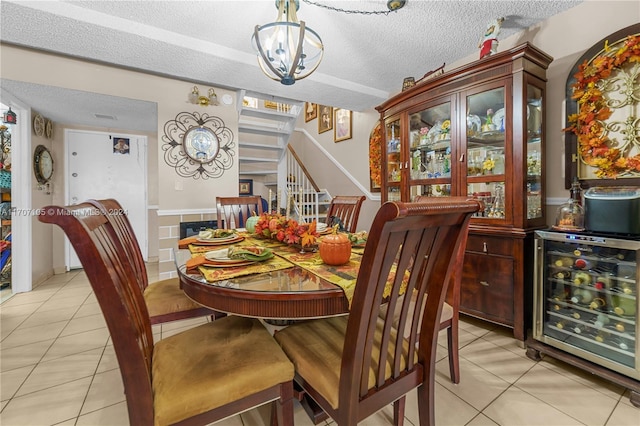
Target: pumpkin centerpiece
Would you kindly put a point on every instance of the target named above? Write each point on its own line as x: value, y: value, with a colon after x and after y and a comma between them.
x: 335, y: 248
x: 250, y: 223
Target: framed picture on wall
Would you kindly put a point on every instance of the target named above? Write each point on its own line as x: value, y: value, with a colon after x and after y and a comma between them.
x: 342, y: 127
x: 310, y: 111
x: 245, y: 187
x: 325, y: 123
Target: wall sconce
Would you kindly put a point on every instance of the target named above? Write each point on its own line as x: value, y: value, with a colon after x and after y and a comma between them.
x: 9, y: 117
x: 196, y: 99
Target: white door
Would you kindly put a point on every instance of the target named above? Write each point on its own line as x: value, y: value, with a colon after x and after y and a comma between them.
x: 108, y: 165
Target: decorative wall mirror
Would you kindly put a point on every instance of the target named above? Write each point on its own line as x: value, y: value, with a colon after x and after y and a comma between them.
x: 602, y: 143
x: 198, y: 145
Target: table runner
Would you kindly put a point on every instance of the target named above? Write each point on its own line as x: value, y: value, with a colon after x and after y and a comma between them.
x: 344, y: 276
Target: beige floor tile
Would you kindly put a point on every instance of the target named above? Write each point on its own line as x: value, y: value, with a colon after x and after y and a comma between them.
x: 576, y: 399
x: 30, y: 297
x: 80, y: 325
x: 109, y: 416
x: 475, y: 326
x: 24, y: 336
x: 497, y: 360
x: 61, y: 370
x: 22, y: 356
x: 11, y: 380
x: 18, y: 309
x: 450, y: 410
x: 584, y: 377
x: 47, y: 407
x: 39, y: 318
x: 503, y: 337
x: 516, y: 407
x: 9, y: 323
x: 53, y: 304
x: 109, y: 361
x: 477, y: 386
x: 88, y: 308
x: 624, y: 415
x: 106, y: 390
x: 77, y: 343
x: 481, y: 420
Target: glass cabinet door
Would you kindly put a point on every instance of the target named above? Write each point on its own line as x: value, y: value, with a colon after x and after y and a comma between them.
x: 486, y: 129
x: 533, y: 152
x: 430, y: 151
x: 394, y: 160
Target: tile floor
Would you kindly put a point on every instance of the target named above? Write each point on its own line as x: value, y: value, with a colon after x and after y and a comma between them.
x: 58, y: 368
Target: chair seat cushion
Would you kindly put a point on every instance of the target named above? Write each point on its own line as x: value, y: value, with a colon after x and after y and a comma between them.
x: 315, y: 348
x: 214, y: 364
x: 166, y: 296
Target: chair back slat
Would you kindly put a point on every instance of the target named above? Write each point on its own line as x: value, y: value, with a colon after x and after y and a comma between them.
x: 411, y: 247
x: 117, y: 216
x: 115, y: 284
x: 233, y: 211
x: 346, y: 208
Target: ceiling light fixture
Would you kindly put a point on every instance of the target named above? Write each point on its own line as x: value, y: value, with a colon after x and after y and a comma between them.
x: 287, y: 49
x: 196, y: 99
x: 392, y: 6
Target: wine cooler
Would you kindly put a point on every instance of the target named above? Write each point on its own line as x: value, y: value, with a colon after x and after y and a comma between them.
x: 585, y: 304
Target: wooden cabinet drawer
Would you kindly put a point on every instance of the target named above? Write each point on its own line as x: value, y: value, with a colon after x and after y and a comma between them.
x: 487, y: 287
x: 490, y: 245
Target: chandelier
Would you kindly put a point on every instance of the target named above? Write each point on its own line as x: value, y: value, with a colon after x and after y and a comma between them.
x: 287, y: 49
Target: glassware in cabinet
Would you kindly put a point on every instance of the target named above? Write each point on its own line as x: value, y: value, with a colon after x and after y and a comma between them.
x: 394, y: 152
x: 486, y: 129
x: 533, y: 151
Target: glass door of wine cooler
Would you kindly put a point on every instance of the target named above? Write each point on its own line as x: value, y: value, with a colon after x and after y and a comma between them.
x: 586, y: 298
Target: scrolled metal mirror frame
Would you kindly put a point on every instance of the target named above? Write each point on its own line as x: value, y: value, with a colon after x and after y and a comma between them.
x: 214, y: 162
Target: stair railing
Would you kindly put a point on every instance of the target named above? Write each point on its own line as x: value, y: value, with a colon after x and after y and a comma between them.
x: 301, y: 191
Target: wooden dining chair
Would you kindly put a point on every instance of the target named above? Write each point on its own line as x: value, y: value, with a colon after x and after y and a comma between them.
x: 165, y: 299
x: 195, y: 377
x: 355, y: 365
x: 233, y: 211
x: 450, y: 311
x: 346, y: 209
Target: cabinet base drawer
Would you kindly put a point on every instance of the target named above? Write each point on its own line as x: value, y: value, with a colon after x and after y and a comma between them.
x: 487, y: 287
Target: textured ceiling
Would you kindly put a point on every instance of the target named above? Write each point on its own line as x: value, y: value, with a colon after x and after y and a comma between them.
x: 209, y: 42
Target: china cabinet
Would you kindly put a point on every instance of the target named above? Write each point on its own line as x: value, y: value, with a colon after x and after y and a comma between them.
x: 478, y: 131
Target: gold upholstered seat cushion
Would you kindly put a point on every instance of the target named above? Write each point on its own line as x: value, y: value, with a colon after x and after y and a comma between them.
x: 166, y: 296
x: 315, y: 348
x: 214, y: 364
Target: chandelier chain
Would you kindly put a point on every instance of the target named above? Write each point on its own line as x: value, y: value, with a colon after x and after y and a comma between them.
x: 361, y: 12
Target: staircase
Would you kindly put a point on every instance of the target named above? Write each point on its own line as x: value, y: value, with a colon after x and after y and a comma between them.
x: 265, y: 125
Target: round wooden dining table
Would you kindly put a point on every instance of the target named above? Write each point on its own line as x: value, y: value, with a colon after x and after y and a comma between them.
x: 287, y: 294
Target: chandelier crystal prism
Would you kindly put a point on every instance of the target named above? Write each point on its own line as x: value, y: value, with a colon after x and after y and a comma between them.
x: 287, y: 49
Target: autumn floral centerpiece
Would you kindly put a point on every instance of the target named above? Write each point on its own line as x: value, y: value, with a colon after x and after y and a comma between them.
x: 589, y: 124
x: 289, y: 231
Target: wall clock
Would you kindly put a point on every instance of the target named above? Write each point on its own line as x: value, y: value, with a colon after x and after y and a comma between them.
x: 38, y: 125
x: 42, y: 164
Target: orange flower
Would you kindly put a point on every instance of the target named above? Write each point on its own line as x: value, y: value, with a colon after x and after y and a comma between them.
x: 587, y: 124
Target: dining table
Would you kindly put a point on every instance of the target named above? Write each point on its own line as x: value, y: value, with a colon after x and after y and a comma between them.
x: 293, y: 284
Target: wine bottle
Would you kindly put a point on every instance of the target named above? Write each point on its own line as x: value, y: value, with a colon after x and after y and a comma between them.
x: 602, y: 336
x: 624, y: 306
x: 598, y: 303
x: 564, y: 262
x: 620, y: 326
x: 581, y: 278
x: 601, y: 320
x: 563, y: 275
x: 561, y: 324
x: 581, y: 296
x: 582, y: 263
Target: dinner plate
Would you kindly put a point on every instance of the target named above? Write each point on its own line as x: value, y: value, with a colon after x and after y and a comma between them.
x: 498, y: 119
x: 321, y: 227
x: 217, y: 241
